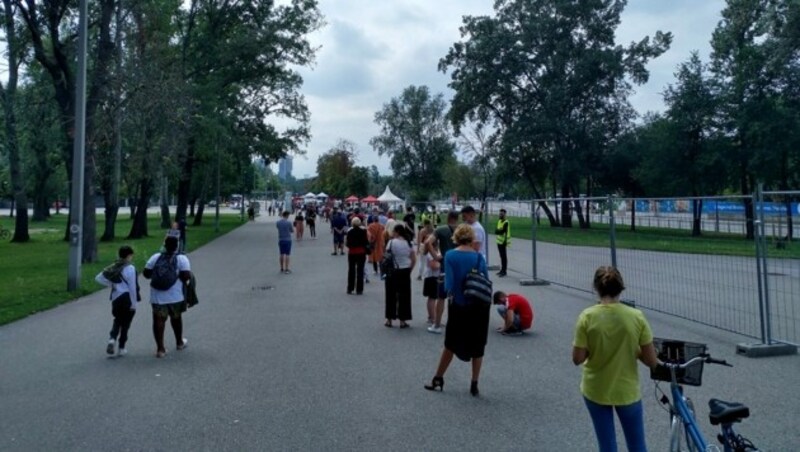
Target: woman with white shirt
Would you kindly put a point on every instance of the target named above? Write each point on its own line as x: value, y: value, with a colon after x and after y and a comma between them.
x: 398, y: 285
x: 124, y: 298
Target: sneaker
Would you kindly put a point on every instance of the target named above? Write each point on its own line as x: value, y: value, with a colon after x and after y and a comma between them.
x: 287, y: 271
x: 501, y: 274
x: 161, y: 353
x: 122, y: 352
x: 435, y: 329
x: 183, y: 344
x: 110, y: 346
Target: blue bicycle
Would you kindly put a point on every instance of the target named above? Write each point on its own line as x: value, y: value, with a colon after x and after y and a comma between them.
x: 683, y: 365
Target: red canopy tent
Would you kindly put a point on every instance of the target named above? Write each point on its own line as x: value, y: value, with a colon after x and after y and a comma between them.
x: 351, y: 198
x: 370, y: 200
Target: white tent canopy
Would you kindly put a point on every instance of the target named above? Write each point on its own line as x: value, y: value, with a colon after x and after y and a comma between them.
x: 388, y: 196
x: 322, y: 195
x: 309, y: 195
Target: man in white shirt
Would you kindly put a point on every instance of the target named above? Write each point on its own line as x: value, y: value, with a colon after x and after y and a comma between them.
x: 168, y: 272
x: 470, y: 217
x: 124, y: 298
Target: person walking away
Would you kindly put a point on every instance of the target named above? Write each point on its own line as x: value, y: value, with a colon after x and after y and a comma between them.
x: 410, y: 218
x: 182, y: 238
x: 503, y: 233
x: 516, y: 312
x: 398, y: 285
x: 168, y: 272
x: 470, y: 217
x: 430, y: 283
x: 356, y: 242
x: 438, y: 244
x: 338, y: 227
x: 311, y: 221
x: 423, y: 234
x: 123, y: 299
x: 285, y: 231
x: 298, y: 225
x: 377, y: 242
x: 467, y: 323
x: 609, y: 339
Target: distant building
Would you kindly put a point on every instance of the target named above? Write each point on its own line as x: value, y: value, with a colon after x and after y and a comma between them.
x: 285, y: 168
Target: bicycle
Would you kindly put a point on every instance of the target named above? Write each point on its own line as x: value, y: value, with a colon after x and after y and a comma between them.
x: 683, y: 365
x: 5, y: 234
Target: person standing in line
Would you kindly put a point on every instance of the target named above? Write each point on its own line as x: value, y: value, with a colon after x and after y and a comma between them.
x: 356, y: 242
x: 338, y: 227
x: 182, y: 237
x: 168, y: 272
x: 610, y: 338
x: 503, y: 233
x: 516, y: 312
x: 382, y: 218
x: 430, y: 284
x: 123, y: 300
x: 299, y: 225
x: 467, y: 323
x: 377, y: 242
x: 422, y: 236
x: 398, y: 285
x: 285, y: 231
x: 311, y: 221
x: 438, y: 244
x: 470, y: 217
x: 410, y: 218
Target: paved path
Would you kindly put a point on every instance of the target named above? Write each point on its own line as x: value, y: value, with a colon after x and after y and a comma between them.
x: 304, y: 366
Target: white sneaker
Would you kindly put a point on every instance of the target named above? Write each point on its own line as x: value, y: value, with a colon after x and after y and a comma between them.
x: 184, y: 344
x: 434, y: 329
x: 110, y: 346
x: 122, y: 352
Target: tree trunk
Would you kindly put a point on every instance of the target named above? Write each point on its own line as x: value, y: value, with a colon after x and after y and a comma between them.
x: 633, y: 215
x: 185, y: 181
x: 566, y: 207
x: 111, y: 195
x: 749, y: 212
x: 697, y: 217
x: 201, y: 202
x: 139, y: 225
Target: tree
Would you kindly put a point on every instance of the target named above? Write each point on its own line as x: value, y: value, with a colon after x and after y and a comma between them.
x: 416, y: 135
x: 549, y: 79
x: 334, y: 169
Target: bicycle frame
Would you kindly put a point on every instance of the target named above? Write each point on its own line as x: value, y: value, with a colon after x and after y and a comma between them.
x: 679, y: 408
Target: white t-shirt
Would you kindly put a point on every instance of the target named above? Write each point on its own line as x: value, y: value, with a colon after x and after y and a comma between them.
x: 480, y: 236
x: 175, y: 293
x: 402, y: 252
x: 117, y: 289
x: 428, y: 272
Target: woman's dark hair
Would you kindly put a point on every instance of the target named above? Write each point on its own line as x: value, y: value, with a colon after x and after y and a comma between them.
x: 608, y: 281
x: 402, y: 230
x: 124, y: 251
x: 171, y: 244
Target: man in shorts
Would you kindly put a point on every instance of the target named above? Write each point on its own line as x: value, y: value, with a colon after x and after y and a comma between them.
x: 168, y: 303
x: 285, y: 231
x: 516, y: 312
x: 339, y: 228
x: 443, y: 237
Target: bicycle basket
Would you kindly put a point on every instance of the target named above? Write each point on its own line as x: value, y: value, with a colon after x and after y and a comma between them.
x: 678, y: 352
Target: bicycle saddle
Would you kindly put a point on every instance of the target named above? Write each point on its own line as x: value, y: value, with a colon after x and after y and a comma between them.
x: 723, y: 412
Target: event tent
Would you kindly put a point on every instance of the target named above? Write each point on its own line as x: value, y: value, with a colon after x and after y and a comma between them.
x: 370, y: 200
x: 351, y: 198
x: 388, y: 196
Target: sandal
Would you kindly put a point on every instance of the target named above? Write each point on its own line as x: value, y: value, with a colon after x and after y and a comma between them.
x: 388, y: 324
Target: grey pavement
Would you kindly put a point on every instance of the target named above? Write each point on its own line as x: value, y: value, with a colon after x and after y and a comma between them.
x: 304, y: 366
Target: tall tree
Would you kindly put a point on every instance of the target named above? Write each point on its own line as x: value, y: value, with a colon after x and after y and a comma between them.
x: 334, y: 169
x: 416, y: 135
x: 550, y: 80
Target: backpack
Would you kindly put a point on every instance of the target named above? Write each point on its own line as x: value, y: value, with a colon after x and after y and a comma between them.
x: 477, y: 288
x: 387, y: 265
x: 165, y: 272
x: 113, y: 272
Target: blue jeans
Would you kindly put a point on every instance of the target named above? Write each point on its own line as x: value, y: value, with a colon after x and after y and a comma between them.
x: 502, y: 310
x: 630, y: 417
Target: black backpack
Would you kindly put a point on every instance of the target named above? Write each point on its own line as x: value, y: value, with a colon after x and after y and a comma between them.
x: 165, y: 272
x: 113, y: 272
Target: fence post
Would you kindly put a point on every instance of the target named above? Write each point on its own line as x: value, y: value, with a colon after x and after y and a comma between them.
x: 765, y: 273
x: 535, y: 281
x: 612, y: 231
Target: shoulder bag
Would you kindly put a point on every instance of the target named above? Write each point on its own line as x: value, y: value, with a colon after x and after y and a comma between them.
x: 477, y: 288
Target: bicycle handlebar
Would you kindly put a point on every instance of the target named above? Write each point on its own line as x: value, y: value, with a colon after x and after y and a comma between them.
x: 697, y: 359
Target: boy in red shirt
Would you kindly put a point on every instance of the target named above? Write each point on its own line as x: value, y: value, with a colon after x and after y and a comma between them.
x: 516, y: 312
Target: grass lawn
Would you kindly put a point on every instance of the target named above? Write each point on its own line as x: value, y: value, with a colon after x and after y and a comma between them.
x: 645, y: 238
x: 33, y: 275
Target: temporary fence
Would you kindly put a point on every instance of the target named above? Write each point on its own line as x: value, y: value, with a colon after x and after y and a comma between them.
x: 755, y: 295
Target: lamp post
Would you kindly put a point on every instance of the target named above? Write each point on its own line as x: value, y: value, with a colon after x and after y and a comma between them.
x: 78, y: 151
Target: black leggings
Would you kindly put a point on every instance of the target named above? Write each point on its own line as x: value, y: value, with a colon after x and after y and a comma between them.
x: 123, y: 316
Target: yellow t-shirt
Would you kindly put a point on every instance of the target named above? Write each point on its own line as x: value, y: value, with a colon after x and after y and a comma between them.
x: 613, y: 334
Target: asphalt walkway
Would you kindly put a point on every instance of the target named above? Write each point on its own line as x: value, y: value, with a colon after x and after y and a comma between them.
x: 291, y: 362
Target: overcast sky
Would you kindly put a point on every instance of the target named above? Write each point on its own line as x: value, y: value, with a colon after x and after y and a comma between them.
x: 372, y: 50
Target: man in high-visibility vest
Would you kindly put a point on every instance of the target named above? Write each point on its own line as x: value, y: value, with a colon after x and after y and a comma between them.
x: 503, y: 233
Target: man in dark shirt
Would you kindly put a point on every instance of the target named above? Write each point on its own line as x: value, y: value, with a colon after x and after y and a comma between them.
x: 443, y: 237
x: 338, y: 227
x: 410, y: 218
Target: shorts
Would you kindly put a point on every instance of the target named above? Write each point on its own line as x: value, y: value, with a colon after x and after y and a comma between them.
x: 285, y: 246
x: 430, y: 287
x: 338, y: 239
x: 171, y: 310
x: 440, y: 287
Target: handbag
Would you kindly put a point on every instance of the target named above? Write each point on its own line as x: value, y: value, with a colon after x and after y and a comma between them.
x: 387, y: 263
x: 477, y: 288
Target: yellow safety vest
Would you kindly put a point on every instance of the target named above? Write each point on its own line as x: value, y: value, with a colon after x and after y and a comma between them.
x: 503, y: 239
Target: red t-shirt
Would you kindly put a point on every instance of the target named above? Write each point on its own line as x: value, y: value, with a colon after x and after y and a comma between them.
x: 520, y: 305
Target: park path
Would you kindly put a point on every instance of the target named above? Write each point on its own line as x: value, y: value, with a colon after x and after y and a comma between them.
x: 291, y: 362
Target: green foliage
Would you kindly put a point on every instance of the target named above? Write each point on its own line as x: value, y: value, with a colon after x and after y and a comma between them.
x: 416, y: 136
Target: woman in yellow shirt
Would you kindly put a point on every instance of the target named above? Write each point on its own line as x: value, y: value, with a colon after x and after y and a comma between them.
x: 609, y: 338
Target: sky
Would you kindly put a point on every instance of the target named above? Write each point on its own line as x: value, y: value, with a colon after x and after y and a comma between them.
x: 371, y: 50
